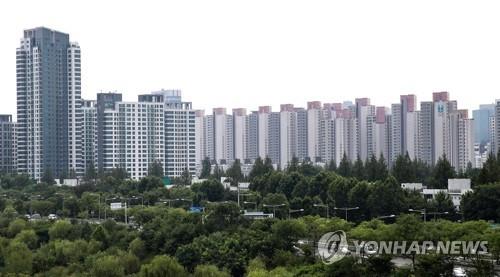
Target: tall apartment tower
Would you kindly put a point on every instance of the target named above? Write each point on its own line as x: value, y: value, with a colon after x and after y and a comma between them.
x: 89, y: 134
x: 396, y: 130
x: 427, y: 132
x: 201, y: 142
x: 315, y: 131
x: 380, y: 144
x: 461, y: 142
x: 411, y: 142
x: 496, y: 123
x: 288, y: 134
x: 481, y: 123
x: 179, y: 136
x: 240, y: 132
x: 252, y: 137
x: 366, y: 118
x: 404, y: 122
x: 346, y: 137
x: 105, y: 107
x: 131, y: 135
x: 48, y: 69
x: 8, y: 153
x: 223, y: 136
x: 301, y: 133
x: 269, y: 134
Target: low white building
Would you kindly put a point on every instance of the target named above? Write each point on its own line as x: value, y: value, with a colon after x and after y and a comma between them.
x: 456, y: 189
x: 412, y: 186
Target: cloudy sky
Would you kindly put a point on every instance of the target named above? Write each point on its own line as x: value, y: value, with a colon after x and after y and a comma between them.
x: 250, y: 53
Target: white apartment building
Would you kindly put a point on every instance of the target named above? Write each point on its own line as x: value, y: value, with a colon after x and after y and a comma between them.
x: 412, y: 135
x: 133, y: 137
x: 240, y: 129
x: 89, y: 134
x: 223, y: 136
x: 288, y: 134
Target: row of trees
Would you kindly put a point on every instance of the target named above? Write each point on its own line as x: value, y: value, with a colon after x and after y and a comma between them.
x: 221, y: 242
x: 404, y: 170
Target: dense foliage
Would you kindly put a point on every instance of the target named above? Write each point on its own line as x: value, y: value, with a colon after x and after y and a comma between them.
x: 163, y: 238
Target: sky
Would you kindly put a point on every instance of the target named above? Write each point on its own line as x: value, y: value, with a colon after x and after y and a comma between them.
x: 269, y: 52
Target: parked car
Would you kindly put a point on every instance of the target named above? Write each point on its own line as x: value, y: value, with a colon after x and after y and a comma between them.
x: 52, y: 217
x: 27, y: 216
x: 35, y: 217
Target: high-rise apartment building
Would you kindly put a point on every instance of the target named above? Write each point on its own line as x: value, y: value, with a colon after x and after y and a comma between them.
x: 8, y: 153
x: 201, y: 141
x: 252, y: 137
x: 427, y: 132
x: 179, y: 131
x: 223, y: 136
x: 288, y: 134
x: 131, y: 134
x: 48, y: 69
x: 315, y: 131
x: 481, y: 118
x: 496, y: 124
x: 89, y: 134
x: 240, y: 131
x: 461, y: 142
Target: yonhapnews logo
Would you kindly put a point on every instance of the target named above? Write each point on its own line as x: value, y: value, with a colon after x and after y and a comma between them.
x: 333, y: 247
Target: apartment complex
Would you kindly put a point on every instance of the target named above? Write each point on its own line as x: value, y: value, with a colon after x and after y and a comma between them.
x: 326, y: 132
x: 57, y: 130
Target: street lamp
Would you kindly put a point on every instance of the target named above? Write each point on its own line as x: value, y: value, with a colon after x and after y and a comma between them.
x: 422, y: 211
x: 274, y: 207
x: 186, y: 200
x: 168, y: 201
x: 437, y: 213
x: 346, y: 209
x: 137, y: 197
x: 386, y: 216
x: 249, y: 202
x: 290, y: 212
x: 324, y: 206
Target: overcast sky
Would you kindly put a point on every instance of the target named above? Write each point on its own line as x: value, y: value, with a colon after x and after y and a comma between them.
x: 250, y: 53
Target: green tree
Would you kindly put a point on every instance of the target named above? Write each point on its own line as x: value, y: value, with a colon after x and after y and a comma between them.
x: 382, y: 171
x: 185, y: 179
x: 403, y: 169
x: 386, y: 198
x: 258, y: 169
x: 18, y: 258
x: 90, y: 172
x: 28, y: 237
x: 108, y: 266
x: 206, y: 168
x: 482, y: 203
x: 48, y: 177
x: 162, y: 266
x: 211, y: 190
x: 441, y: 173
x: 344, y: 168
x: 371, y: 168
x: 293, y: 165
x: 138, y: 248
x: 60, y: 230
x: 156, y: 169
x: 331, y: 166
x: 442, y: 203
x: 209, y: 271
x: 234, y: 172
x: 358, y: 169
x: 433, y: 265
x: 490, y: 172
x: 16, y: 226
